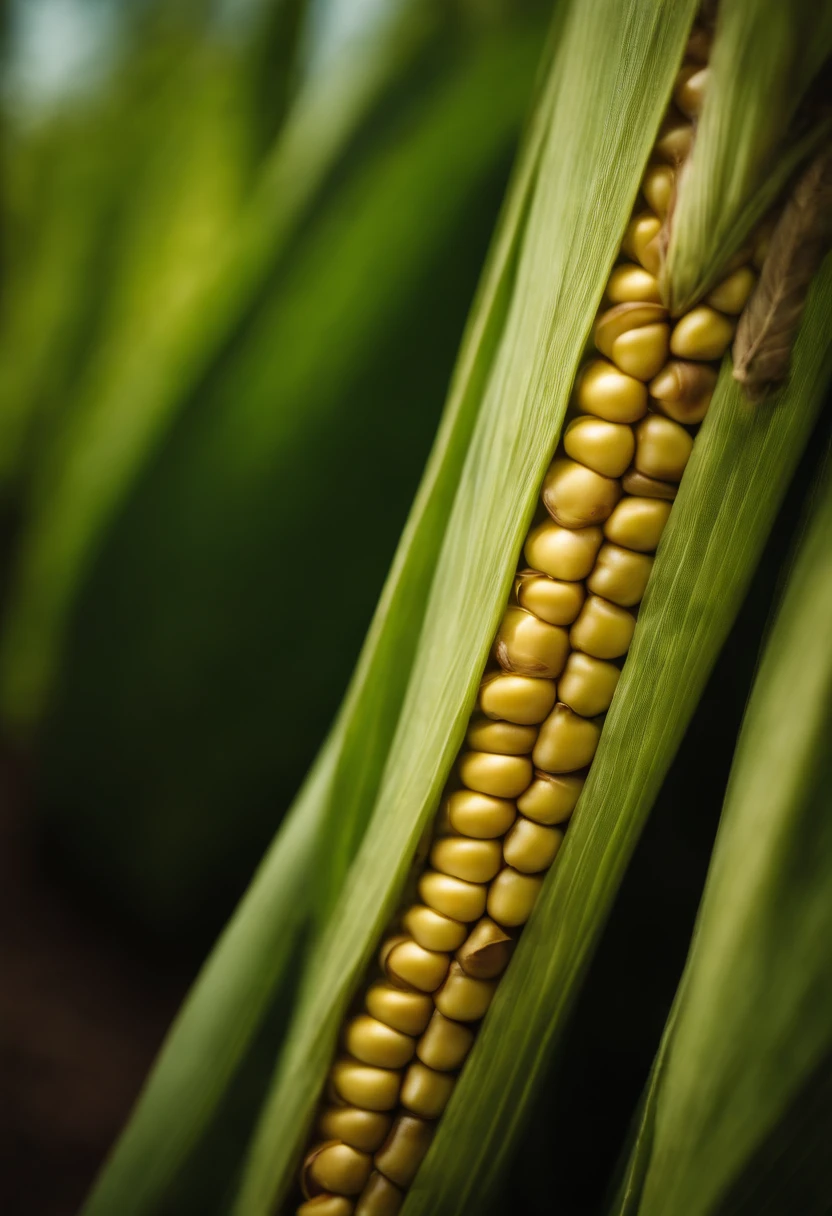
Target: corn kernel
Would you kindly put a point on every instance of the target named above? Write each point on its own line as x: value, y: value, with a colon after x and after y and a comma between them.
x: 604, y: 447
x: 566, y: 741
x: 504, y: 738
x: 408, y: 963
x: 365, y: 1086
x: 731, y: 295
x: 433, y: 930
x: 405, y: 1011
x: 576, y: 497
x: 563, y: 553
x: 528, y: 646
x: 628, y: 284
x: 588, y: 684
x: 551, y: 599
x: 703, y: 333
x: 551, y: 798
x: 425, y: 1091
x: 639, y: 240
x: 326, y: 1205
x: 663, y: 448
x: 638, y: 523
x: 379, y: 1198
x: 675, y: 139
x: 404, y: 1150
x: 486, y: 951
x: 530, y: 847
x: 641, y: 352
x: 463, y: 998
x: 699, y: 45
x: 620, y: 575
x: 373, y: 1042
x: 607, y: 392
x: 657, y: 187
x: 336, y: 1167
x: 362, y: 1129
x: 683, y: 390
x: 500, y: 776
x: 453, y: 897
x: 603, y: 630
x: 480, y: 816
x: 512, y: 896
x: 648, y: 487
x: 462, y: 857
x: 445, y: 1043
x: 689, y: 93
x: 520, y: 699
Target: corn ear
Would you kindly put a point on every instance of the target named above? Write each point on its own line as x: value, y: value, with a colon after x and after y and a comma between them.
x: 739, y: 1090
x: 766, y: 57
x: 586, y: 183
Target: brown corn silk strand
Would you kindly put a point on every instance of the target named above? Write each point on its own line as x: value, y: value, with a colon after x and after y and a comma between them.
x: 555, y: 664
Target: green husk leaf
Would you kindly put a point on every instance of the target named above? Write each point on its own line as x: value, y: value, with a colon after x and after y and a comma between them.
x: 739, y: 471
x: 737, y: 1116
x: 765, y: 58
x: 246, y: 972
x: 606, y: 112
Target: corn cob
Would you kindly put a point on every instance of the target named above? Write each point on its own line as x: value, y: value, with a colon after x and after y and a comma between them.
x: 555, y: 664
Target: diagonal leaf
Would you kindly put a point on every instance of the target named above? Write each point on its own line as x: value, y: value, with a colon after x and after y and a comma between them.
x: 736, y: 1104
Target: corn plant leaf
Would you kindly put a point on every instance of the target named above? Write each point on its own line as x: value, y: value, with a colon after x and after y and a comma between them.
x: 246, y: 971
x: 607, y: 108
x: 737, y: 1114
x: 766, y: 56
x: 739, y: 471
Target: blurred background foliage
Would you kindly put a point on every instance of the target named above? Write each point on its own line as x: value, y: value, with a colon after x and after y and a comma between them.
x: 239, y: 243
x: 239, y: 255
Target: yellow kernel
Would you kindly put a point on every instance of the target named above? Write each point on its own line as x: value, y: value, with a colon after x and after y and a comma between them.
x: 505, y: 738
x: 639, y: 240
x: 577, y: 497
x: 445, y: 1043
x: 473, y: 860
x: 657, y: 187
x: 628, y: 284
x: 638, y: 523
x: 463, y: 998
x: 675, y: 139
x: 520, y: 699
x: 703, y: 333
x: 410, y: 964
x: 327, y: 1205
x: 336, y: 1167
x: 683, y: 390
x: 663, y: 448
x: 500, y: 776
x: 373, y: 1042
x: 426, y: 1091
x: 563, y: 553
x: 433, y: 930
x: 731, y: 295
x: 479, y: 815
x: 551, y: 599
x: 551, y: 798
x: 689, y: 93
x: 404, y: 1149
x: 528, y: 646
x: 365, y: 1086
x: 363, y: 1129
x: 641, y: 352
x: 602, y: 629
x: 604, y: 447
x: 405, y: 1011
x: 622, y: 319
x: 379, y: 1198
x: 566, y: 741
x: 512, y: 896
x: 454, y: 897
x: 530, y: 847
x: 620, y: 575
x: 648, y: 487
x: 607, y: 392
x: 588, y: 685
x: 486, y: 951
